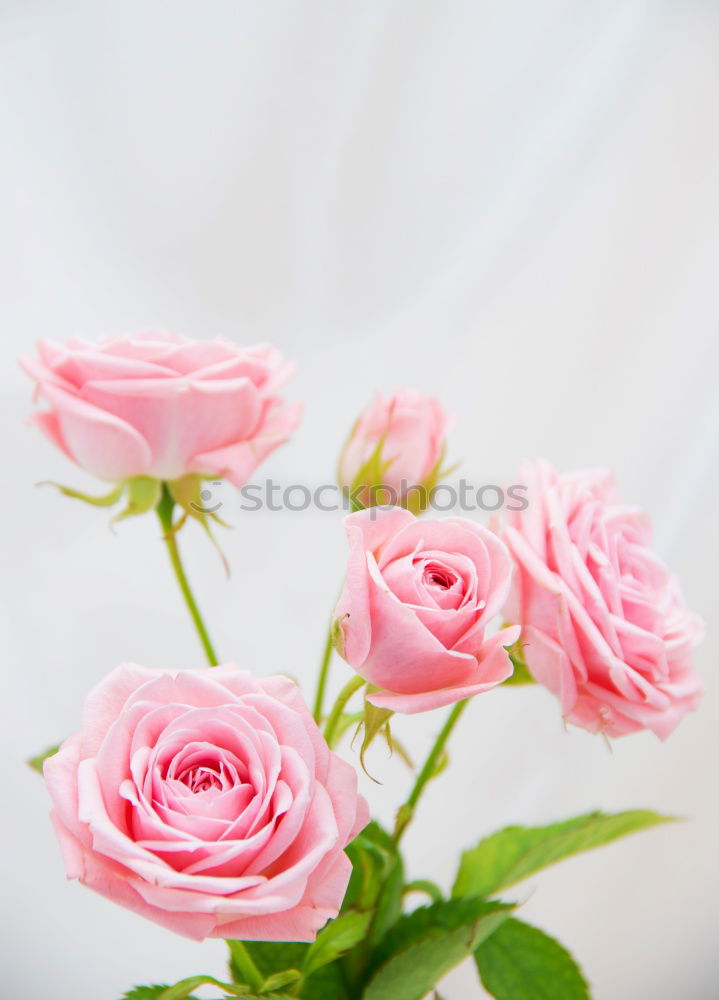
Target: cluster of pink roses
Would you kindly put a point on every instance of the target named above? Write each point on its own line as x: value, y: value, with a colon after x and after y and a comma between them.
x: 209, y: 800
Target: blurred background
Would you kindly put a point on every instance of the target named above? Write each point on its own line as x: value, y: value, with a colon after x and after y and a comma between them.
x: 512, y: 205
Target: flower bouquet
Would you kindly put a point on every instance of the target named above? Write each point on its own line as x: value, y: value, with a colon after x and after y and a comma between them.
x: 214, y: 802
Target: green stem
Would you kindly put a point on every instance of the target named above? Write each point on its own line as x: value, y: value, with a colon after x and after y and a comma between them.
x: 322, y: 680
x: 164, y: 511
x: 406, y: 812
x: 344, y: 696
x: 244, y: 966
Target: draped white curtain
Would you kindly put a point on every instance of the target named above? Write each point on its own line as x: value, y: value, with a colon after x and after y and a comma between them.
x: 511, y: 204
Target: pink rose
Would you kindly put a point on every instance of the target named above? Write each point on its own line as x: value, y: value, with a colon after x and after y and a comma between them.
x: 415, y: 605
x: 397, y: 443
x: 207, y: 801
x: 603, y: 622
x: 157, y: 404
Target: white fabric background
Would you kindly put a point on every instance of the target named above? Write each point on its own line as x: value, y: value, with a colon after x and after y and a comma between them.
x: 513, y: 205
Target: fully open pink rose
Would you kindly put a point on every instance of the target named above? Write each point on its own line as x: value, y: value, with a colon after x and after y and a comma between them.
x: 207, y: 801
x: 415, y: 606
x: 603, y: 622
x: 410, y: 429
x: 157, y: 404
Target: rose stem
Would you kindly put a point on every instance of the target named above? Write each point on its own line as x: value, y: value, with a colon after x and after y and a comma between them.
x: 322, y: 680
x: 344, y: 696
x: 164, y: 511
x: 406, y: 812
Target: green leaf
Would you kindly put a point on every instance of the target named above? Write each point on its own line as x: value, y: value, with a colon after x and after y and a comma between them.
x: 183, y: 989
x: 36, y: 763
x: 516, y: 852
x: 389, y: 902
x: 272, y: 957
x: 143, y: 494
x: 327, y: 982
x: 427, y: 944
x: 144, y: 992
x: 104, y: 501
x: 267, y: 996
x: 520, y: 962
x: 377, y: 877
x: 435, y: 920
x: 336, y: 938
x: 376, y: 883
x: 280, y: 979
x: 156, y: 992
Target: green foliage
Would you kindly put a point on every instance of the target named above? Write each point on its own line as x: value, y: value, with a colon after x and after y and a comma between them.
x: 183, y: 989
x: 36, y: 763
x: 520, y: 962
x: 516, y: 852
x: 270, y: 956
x: 273, y: 957
x: 280, y: 979
x: 374, y: 952
x: 377, y: 878
x: 266, y: 996
x: 424, y: 946
x: 376, y: 884
x: 336, y: 938
x: 146, y: 992
x: 326, y: 982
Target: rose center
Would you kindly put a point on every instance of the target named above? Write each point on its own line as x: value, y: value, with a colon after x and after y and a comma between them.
x: 437, y: 576
x: 203, y: 779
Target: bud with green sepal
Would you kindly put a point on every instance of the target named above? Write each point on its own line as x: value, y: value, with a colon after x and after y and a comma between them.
x: 395, y: 453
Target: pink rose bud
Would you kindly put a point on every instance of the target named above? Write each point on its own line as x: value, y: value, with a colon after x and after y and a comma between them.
x: 395, y: 452
x: 604, y: 625
x: 159, y: 405
x: 418, y: 597
x: 208, y: 802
